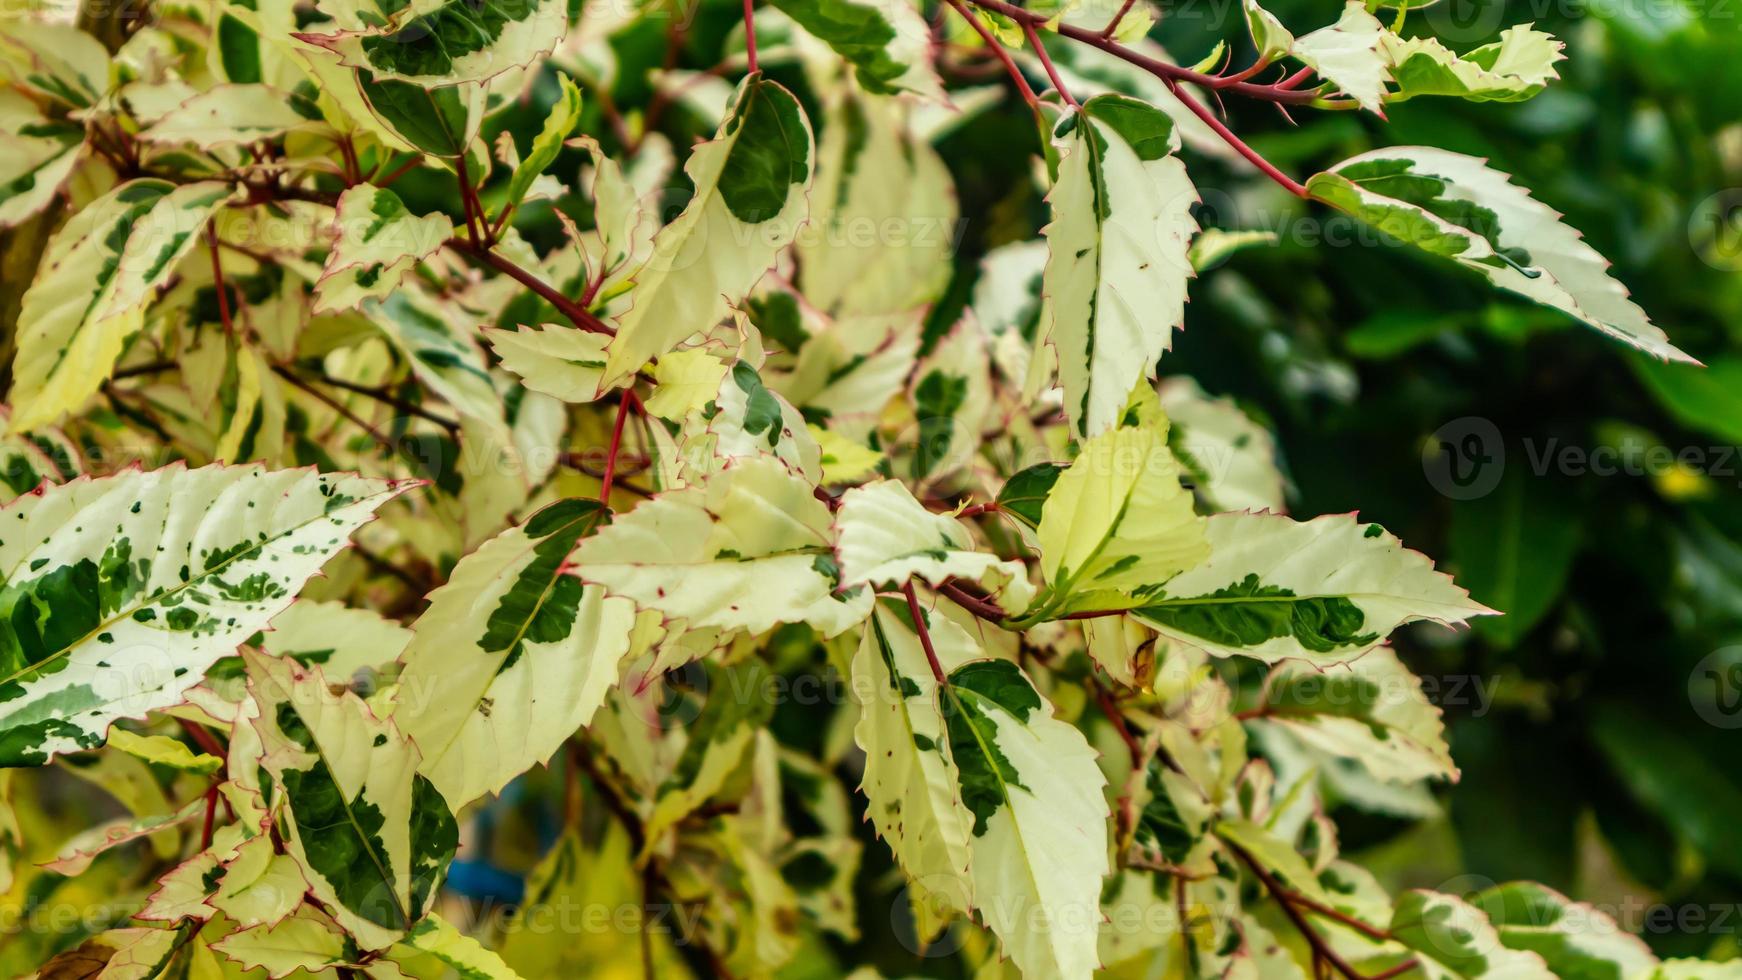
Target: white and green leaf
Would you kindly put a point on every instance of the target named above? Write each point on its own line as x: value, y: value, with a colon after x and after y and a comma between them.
x: 1117, y: 261
x: 372, y: 835
x: 100, y: 271
x: 1456, y: 207
x: 751, y: 548
x: 122, y: 591
x: 513, y: 655
x: 749, y: 202
x: 376, y: 242
x: 1325, y: 590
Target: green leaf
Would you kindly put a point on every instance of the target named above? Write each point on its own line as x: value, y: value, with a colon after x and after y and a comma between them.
x: 120, y: 592
x: 561, y: 121
x: 887, y: 41
x: 1025, y: 493
x: 1455, y: 207
x: 452, y: 41
x: 1514, y: 547
x: 1707, y: 399
x: 442, y: 122
x: 1672, y: 777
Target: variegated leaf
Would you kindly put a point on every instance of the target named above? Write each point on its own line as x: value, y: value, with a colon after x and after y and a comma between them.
x: 376, y: 241
x: 563, y: 362
x: 435, y: 938
x: 563, y: 117
x: 1229, y: 458
x: 1512, y: 69
x: 1117, y: 266
x: 231, y: 114
x: 1116, y: 523
x: 1349, y: 54
x: 101, y: 270
x: 440, y: 44
x: 1022, y: 783
x: 749, y: 201
x: 749, y: 549
x: 886, y: 537
x: 37, y: 155
x: 372, y: 836
x: 512, y: 656
x: 1325, y: 590
x: 888, y: 42
x: 1456, y: 207
x: 1454, y: 940
x: 1370, y: 710
x: 885, y: 215
x: 122, y: 591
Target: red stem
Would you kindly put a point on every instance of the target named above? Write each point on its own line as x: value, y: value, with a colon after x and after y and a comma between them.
x: 467, y: 201
x: 625, y: 405
x: 400, y: 171
x: 1118, y: 18
x: 207, y: 742
x: 1161, y: 69
x: 211, y: 814
x: 750, y: 34
x: 576, y: 313
x: 1046, y: 62
x: 998, y: 49
x: 218, y: 282
x: 931, y: 655
x: 982, y: 608
x: 1110, y: 708
x: 1265, y: 166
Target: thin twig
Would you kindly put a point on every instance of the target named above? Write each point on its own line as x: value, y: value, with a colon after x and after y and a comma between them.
x: 218, y: 282
x: 919, y: 627
x: 1052, y: 73
x: 992, y: 43
x: 1118, y: 17
x: 389, y: 398
x: 400, y: 171
x: 1104, y: 698
x: 750, y: 34
x: 1284, y: 898
x: 336, y: 406
x: 577, y: 314
x: 625, y: 405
